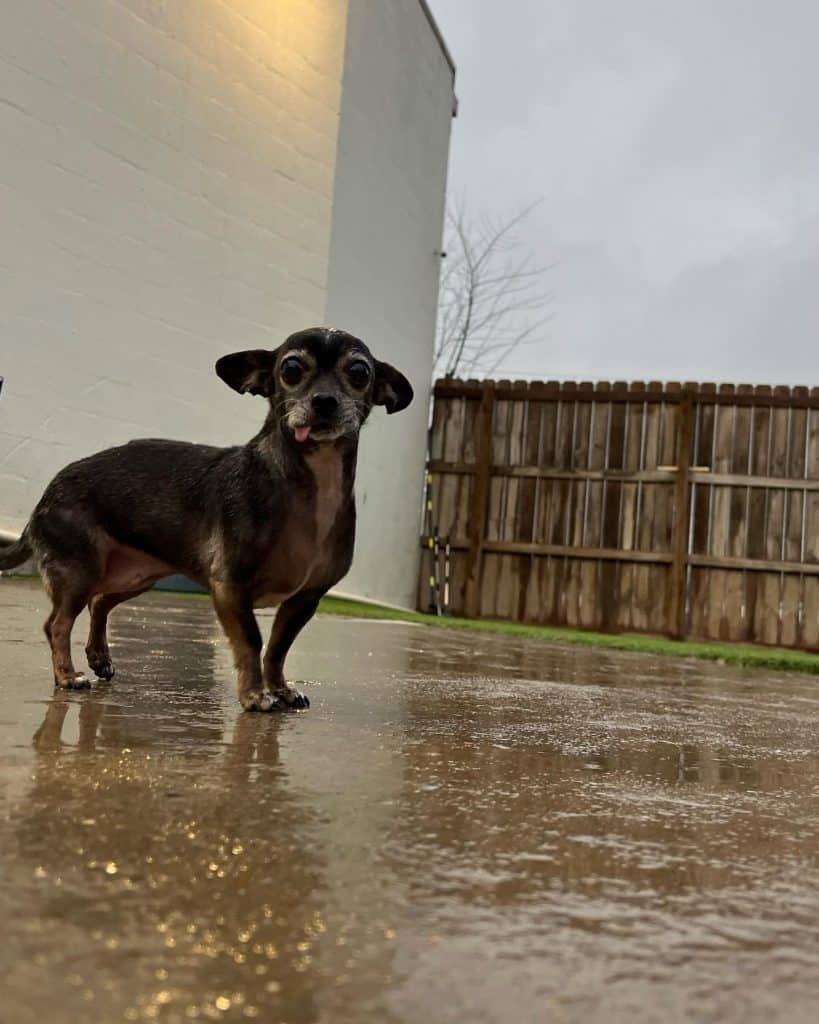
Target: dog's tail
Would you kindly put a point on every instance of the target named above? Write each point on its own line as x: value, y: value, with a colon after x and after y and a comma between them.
x: 15, y: 554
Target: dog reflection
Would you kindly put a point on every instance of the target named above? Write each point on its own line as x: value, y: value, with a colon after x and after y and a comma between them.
x: 202, y: 862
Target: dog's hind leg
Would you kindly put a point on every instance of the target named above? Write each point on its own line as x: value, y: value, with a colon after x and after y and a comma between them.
x: 96, y: 650
x: 70, y: 563
x: 69, y: 599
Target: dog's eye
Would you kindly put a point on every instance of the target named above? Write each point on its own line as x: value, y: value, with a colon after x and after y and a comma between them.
x: 359, y: 373
x: 292, y: 371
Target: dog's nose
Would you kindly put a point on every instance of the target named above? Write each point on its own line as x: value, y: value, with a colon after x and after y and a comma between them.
x: 325, y: 405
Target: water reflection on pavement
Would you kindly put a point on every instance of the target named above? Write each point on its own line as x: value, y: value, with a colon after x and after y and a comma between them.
x: 462, y: 828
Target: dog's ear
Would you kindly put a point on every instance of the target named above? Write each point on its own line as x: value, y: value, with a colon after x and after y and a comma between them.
x: 392, y: 389
x: 250, y: 371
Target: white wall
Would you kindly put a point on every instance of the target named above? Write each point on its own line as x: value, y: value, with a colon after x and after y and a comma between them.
x: 387, y: 219
x: 166, y: 181
x: 181, y: 180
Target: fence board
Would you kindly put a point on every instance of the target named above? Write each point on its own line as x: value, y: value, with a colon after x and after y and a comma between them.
x: 609, y: 570
x: 527, y: 501
x: 760, y: 462
x: 577, y: 505
x: 810, y: 537
x: 546, y: 582
x: 627, y: 513
x: 479, y: 514
x: 507, y: 598
x: 652, y: 506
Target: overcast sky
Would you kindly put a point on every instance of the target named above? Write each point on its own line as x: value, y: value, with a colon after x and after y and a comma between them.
x: 675, y: 146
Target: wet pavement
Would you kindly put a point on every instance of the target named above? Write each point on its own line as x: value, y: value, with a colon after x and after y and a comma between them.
x: 462, y: 828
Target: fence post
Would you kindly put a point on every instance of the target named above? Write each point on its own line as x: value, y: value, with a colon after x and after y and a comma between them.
x: 679, y: 540
x: 480, y: 503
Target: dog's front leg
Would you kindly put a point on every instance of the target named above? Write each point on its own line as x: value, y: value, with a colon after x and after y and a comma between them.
x: 235, y: 611
x: 292, y: 616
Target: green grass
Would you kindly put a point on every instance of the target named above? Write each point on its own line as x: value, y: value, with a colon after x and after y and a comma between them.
x: 730, y: 654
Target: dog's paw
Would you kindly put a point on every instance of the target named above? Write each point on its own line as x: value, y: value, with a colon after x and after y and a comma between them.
x: 293, y: 699
x: 288, y: 699
x: 261, y: 700
x: 79, y: 681
x: 101, y: 665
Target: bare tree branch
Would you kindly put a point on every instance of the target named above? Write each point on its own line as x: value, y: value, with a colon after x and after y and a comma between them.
x: 491, y: 298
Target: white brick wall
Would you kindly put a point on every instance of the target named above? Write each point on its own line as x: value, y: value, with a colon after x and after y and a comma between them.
x: 182, y: 179
x: 387, y: 218
x: 166, y: 182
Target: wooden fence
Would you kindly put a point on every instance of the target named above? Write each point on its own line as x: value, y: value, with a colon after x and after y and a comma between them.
x: 685, y: 509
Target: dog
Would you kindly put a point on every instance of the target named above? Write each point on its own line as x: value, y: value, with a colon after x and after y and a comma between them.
x: 270, y: 523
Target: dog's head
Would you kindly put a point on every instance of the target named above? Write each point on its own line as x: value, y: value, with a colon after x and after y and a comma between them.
x: 321, y: 383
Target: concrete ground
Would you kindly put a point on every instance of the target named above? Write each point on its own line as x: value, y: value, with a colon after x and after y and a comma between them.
x: 462, y: 828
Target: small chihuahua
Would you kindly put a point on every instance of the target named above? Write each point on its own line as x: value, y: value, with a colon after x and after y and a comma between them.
x: 270, y: 523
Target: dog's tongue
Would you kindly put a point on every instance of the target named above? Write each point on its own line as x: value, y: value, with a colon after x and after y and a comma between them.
x: 302, y: 433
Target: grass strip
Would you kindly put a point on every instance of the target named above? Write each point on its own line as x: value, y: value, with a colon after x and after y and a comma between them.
x: 728, y: 654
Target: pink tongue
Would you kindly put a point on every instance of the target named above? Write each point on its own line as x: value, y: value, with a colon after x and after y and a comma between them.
x: 302, y: 433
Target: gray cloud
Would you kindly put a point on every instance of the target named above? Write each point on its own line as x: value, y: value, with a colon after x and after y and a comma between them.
x: 676, y: 148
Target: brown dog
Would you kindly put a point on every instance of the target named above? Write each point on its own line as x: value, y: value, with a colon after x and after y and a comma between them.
x: 270, y: 523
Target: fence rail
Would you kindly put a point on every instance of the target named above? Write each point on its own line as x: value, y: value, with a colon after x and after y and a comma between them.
x: 686, y: 509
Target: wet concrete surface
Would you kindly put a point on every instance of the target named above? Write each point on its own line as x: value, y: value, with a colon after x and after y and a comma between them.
x: 462, y: 828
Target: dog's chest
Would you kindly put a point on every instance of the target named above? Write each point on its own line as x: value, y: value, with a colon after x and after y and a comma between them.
x: 306, y: 551
x: 328, y: 473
